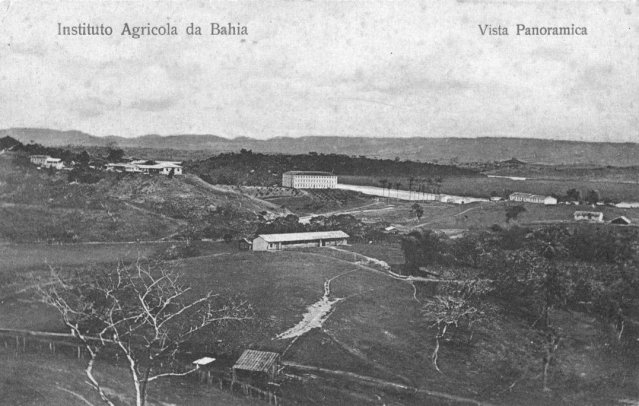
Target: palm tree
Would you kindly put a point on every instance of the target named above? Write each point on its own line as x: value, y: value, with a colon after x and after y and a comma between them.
x: 410, y: 186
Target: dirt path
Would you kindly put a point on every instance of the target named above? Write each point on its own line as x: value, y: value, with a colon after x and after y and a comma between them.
x: 75, y: 394
x: 202, y: 183
x: 355, y: 210
x: 316, y: 314
x: 443, y: 218
x: 153, y: 213
x: 380, y: 383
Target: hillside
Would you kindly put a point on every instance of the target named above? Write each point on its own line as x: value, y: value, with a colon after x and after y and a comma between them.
x: 258, y: 169
x: 44, y: 206
x: 461, y: 150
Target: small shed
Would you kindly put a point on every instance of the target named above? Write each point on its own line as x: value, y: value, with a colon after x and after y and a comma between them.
x: 245, y: 244
x: 623, y: 220
x: 253, y: 365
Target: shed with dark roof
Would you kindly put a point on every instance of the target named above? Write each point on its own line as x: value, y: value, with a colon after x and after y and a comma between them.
x: 256, y: 365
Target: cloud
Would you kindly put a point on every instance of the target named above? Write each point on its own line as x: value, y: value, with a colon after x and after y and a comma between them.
x: 153, y: 105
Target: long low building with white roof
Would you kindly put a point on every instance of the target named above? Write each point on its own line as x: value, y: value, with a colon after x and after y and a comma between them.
x: 276, y: 242
x: 531, y: 198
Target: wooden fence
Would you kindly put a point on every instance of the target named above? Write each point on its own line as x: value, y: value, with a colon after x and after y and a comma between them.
x: 35, y: 342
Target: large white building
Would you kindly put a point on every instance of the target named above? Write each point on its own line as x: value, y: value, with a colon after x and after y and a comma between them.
x: 46, y: 161
x: 309, y: 180
x: 276, y: 242
x: 53, y: 163
x: 530, y: 198
x: 38, y: 160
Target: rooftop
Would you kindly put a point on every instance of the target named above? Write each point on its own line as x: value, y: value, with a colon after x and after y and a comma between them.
x: 522, y: 194
x: 260, y: 361
x: 316, y: 235
x: 309, y: 173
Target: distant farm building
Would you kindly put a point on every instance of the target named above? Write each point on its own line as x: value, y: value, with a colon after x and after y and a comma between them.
x: 45, y: 161
x: 591, y: 216
x: 55, y: 163
x: 275, y: 242
x: 628, y: 205
x: 245, y: 244
x: 148, y: 167
x: 122, y: 168
x: 530, y: 198
x: 38, y: 159
x: 622, y: 220
x: 256, y: 366
x: 460, y: 199
x: 162, y: 168
x: 309, y: 180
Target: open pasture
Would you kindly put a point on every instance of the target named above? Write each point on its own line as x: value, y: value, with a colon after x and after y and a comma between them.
x: 375, y: 329
x: 483, y: 214
x: 479, y: 186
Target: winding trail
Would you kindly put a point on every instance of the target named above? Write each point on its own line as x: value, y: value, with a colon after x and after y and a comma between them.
x: 380, y: 383
x: 445, y: 217
x: 316, y: 314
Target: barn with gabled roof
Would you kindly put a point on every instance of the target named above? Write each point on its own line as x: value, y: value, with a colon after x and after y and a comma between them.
x: 254, y: 365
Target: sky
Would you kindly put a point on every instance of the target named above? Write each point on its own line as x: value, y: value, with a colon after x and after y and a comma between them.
x: 366, y: 68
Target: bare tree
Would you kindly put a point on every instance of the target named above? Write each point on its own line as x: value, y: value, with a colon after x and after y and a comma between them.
x: 459, y: 307
x: 141, y: 313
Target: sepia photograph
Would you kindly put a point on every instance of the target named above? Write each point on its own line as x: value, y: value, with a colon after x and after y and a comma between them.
x: 319, y: 202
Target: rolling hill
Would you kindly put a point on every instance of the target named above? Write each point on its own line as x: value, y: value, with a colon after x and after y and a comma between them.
x: 484, y: 149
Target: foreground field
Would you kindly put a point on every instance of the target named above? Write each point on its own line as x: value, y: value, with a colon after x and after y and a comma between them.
x: 33, y: 380
x: 373, y: 333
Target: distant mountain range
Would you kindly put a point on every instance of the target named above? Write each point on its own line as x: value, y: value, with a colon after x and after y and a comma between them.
x: 442, y: 150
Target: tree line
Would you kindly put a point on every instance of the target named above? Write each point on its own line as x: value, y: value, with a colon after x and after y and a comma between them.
x: 532, y: 273
x: 257, y: 169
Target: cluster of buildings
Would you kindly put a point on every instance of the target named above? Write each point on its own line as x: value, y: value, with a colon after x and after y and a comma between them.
x: 136, y: 166
x: 598, y: 217
x: 45, y: 161
x: 147, y: 167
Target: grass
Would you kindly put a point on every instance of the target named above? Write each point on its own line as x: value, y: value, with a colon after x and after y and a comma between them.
x: 39, y: 379
x: 389, y: 253
x: 375, y: 330
x: 322, y: 201
x: 29, y: 224
x: 483, y: 214
x: 613, y: 189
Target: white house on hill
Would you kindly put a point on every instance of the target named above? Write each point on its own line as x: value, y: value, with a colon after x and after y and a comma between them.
x: 159, y: 167
x: 276, y: 242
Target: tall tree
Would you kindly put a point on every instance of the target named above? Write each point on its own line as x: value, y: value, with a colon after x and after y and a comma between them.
x: 144, y: 314
x: 512, y: 212
x: 418, y: 210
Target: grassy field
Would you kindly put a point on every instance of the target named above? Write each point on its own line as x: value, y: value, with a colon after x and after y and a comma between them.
x: 322, y: 201
x: 45, y: 379
x: 24, y: 256
x: 375, y: 330
x: 613, y: 189
x: 482, y: 214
